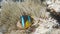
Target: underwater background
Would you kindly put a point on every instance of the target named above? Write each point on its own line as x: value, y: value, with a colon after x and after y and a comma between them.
x: 11, y: 11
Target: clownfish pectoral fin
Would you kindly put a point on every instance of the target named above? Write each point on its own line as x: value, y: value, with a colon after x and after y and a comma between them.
x: 27, y: 24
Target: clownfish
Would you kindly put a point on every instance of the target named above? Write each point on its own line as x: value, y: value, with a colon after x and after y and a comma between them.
x: 26, y: 21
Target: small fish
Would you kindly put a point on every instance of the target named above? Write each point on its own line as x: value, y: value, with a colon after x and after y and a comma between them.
x: 25, y: 21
